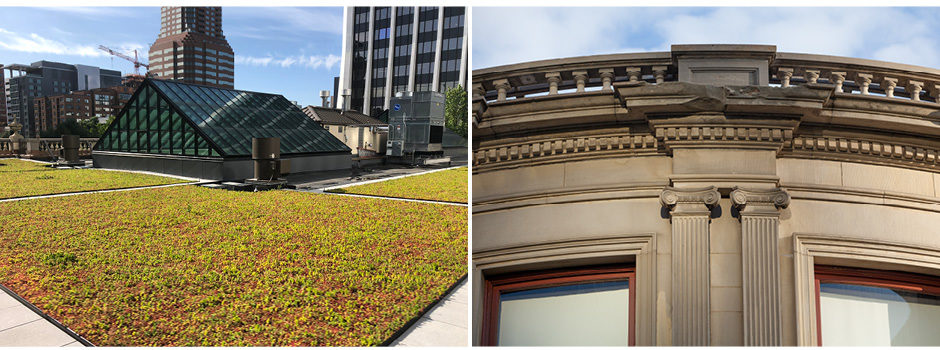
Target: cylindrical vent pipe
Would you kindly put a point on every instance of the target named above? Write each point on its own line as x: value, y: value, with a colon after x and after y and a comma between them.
x: 70, y: 148
x: 266, y: 154
x: 325, y: 96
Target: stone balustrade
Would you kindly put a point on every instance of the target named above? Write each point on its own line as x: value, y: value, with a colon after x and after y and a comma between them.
x: 857, y: 76
x: 43, y: 148
x: 580, y: 75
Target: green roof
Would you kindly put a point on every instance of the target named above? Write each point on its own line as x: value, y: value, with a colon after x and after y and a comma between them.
x: 166, y: 117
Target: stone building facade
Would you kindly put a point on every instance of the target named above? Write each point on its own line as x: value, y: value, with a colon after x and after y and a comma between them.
x: 734, y: 189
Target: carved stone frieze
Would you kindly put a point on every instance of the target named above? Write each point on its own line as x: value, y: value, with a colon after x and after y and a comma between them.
x: 724, y: 136
x: 869, y: 151
x: 564, y: 147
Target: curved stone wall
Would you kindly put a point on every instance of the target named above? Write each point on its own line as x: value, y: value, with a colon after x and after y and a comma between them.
x: 724, y: 174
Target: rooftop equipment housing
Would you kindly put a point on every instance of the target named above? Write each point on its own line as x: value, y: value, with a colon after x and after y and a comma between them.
x: 416, y: 125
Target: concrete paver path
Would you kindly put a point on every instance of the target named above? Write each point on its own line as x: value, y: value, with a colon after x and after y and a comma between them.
x: 21, y: 326
x: 444, y: 325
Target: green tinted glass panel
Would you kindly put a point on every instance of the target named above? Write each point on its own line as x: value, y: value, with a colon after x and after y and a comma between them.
x: 231, y: 118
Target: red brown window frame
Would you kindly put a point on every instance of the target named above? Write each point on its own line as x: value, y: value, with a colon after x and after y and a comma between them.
x: 495, y: 286
x: 905, y: 281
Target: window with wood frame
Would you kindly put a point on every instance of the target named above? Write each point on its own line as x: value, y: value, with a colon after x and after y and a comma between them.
x: 565, y: 307
x: 876, y: 308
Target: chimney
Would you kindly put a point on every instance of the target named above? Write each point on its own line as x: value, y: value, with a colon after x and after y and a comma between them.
x: 325, y: 96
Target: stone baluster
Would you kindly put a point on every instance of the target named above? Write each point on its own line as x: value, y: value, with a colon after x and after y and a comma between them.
x: 936, y: 93
x: 784, y: 75
x: 888, y: 84
x: 580, y: 78
x: 837, y: 78
x: 634, y: 73
x: 863, y: 80
x: 502, y: 85
x: 760, y: 220
x: 690, y: 212
x: 553, y: 79
x: 607, y: 76
x: 811, y: 76
x: 914, y: 88
x: 660, y: 73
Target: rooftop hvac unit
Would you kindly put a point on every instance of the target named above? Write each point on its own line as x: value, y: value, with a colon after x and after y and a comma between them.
x: 416, y: 125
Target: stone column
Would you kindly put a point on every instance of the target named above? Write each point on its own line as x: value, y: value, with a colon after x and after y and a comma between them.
x: 690, y: 210
x: 580, y: 78
x: 607, y: 76
x: 502, y: 85
x: 634, y: 73
x: 760, y: 220
x: 553, y: 79
x: 784, y: 74
x: 863, y: 80
x: 660, y: 73
x: 811, y: 76
x: 837, y: 78
x: 888, y: 84
x: 914, y: 88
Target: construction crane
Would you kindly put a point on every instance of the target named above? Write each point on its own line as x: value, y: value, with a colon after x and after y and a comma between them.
x: 134, y: 60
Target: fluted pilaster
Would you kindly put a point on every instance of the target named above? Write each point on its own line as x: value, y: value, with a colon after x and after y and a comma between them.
x: 760, y: 221
x: 690, y: 211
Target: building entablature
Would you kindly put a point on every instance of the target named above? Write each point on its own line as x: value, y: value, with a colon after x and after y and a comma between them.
x: 653, y: 114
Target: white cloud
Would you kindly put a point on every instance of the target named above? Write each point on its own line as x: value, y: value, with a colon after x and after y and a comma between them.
x: 96, y: 12
x: 286, y: 19
x: 504, y: 35
x: 35, y: 43
x: 312, y: 62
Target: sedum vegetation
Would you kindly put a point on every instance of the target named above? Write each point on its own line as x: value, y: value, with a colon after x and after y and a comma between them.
x: 447, y: 185
x: 188, y: 265
x: 19, y: 178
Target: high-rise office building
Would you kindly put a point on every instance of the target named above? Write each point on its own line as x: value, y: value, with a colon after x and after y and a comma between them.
x: 192, y: 49
x: 3, y: 101
x: 45, y: 78
x: 387, y: 50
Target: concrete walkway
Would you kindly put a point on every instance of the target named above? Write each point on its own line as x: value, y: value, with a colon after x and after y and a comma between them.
x: 21, y: 326
x: 444, y: 325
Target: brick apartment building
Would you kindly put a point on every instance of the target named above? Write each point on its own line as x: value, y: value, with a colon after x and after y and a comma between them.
x: 79, y: 105
x: 192, y: 49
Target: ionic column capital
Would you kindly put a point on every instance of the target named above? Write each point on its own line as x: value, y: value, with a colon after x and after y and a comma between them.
x: 677, y: 198
x: 752, y: 201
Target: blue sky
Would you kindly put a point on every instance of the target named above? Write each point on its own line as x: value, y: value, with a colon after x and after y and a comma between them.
x: 503, y: 35
x: 291, y: 51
